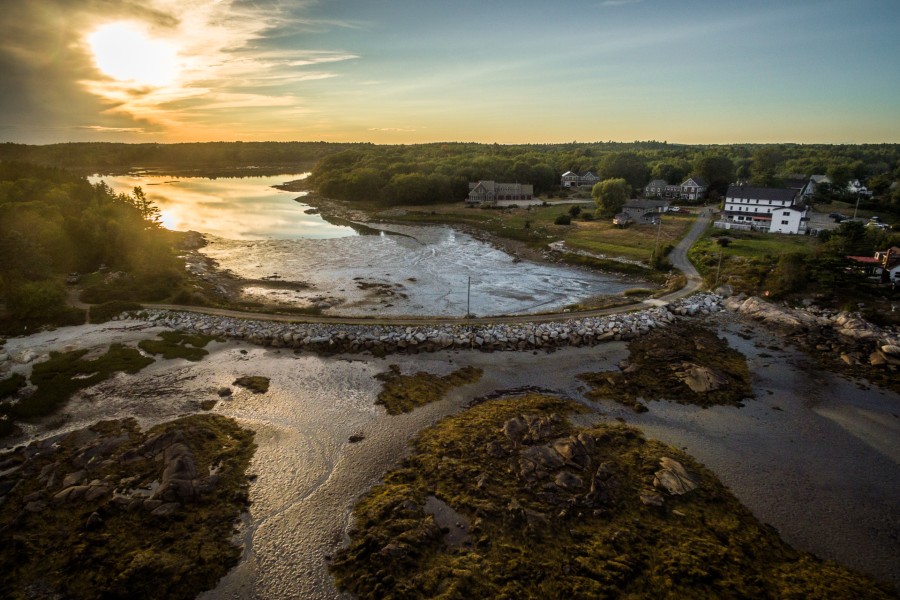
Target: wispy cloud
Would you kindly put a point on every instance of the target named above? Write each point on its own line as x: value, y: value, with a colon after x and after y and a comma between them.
x: 228, y: 59
x: 102, y: 129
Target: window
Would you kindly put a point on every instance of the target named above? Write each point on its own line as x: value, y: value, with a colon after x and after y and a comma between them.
x: 786, y: 213
x: 785, y: 223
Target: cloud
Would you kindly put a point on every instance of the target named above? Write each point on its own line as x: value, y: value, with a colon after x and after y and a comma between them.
x: 102, y: 129
x: 232, y: 55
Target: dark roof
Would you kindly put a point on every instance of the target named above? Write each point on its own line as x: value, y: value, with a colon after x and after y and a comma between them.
x: 759, y: 193
x: 646, y: 203
x: 794, y: 183
x: 699, y: 180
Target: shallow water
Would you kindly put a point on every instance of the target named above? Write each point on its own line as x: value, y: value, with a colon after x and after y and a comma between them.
x: 259, y: 232
x: 425, y: 271
x: 813, y: 455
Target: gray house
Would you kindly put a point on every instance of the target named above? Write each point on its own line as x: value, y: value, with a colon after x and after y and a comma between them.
x: 488, y: 193
x: 645, y: 211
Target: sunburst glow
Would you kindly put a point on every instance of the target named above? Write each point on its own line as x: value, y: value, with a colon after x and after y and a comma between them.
x: 126, y: 53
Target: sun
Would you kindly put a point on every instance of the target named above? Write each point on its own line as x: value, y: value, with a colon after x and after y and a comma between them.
x: 126, y: 53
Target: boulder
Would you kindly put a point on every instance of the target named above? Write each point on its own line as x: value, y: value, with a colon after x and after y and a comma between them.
x: 568, y: 481
x: 702, y: 379
x: 673, y: 478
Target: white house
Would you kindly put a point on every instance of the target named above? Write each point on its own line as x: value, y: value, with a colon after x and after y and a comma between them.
x: 855, y: 187
x: 774, y: 210
x: 487, y: 193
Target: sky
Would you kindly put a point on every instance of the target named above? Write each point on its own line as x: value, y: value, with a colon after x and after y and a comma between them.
x: 412, y: 71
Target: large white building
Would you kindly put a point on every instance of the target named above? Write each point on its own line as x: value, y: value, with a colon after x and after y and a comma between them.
x: 764, y: 209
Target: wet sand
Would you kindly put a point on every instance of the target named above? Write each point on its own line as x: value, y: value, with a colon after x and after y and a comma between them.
x: 822, y: 467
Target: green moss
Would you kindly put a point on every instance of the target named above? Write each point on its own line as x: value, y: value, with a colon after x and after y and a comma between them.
x: 178, y: 345
x: 255, y: 383
x: 662, y: 363
x: 50, y: 551
x: 11, y: 385
x: 403, y: 393
x: 532, y: 538
x: 64, y: 373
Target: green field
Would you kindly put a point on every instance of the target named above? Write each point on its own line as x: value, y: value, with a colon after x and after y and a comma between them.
x: 535, y: 226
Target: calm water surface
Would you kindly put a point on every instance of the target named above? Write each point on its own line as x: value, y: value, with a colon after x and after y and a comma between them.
x: 236, y: 208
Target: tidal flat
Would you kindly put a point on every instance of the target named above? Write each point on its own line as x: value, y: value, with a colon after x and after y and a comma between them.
x: 811, y: 454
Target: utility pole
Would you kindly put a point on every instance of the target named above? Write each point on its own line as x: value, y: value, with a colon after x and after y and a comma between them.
x: 718, y: 269
x: 469, y: 298
x: 658, y: 230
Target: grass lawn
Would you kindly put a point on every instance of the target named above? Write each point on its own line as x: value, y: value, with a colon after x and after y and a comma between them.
x: 536, y: 227
x: 758, y: 245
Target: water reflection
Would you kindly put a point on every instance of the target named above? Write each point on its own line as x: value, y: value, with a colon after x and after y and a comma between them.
x: 246, y: 208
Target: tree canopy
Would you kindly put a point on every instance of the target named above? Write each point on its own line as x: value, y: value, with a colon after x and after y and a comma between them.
x: 610, y: 196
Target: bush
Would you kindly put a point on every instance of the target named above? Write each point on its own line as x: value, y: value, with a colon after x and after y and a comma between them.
x: 36, y: 301
x: 575, y: 211
x: 563, y: 219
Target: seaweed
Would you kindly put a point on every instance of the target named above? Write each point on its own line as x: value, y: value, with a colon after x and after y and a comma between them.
x: 255, y: 383
x: 65, y: 373
x: 178, y: 345
x: 404, y: 393
x: 557, y: 511
x: 684, y: 363
x: 103, y: 539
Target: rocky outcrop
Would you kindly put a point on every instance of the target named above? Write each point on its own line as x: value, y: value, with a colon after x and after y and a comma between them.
x: 673, y: 478
x: 841, y: 337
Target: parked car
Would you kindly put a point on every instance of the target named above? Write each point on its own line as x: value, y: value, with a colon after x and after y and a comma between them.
x: 73, y: 278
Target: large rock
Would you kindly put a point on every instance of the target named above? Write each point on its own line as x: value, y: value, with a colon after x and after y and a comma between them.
x: 673, y: 478
x: 702, y: 379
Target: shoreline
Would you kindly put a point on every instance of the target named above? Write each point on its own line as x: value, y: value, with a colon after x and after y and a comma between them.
x: 308, y: 473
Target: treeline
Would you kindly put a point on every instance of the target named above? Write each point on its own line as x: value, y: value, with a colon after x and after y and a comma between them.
x: 435, y: 173
x: 53, y: 222
x: 212, y: 158
x: 440, y: 172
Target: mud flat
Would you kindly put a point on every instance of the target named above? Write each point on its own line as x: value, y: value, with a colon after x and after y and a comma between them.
x: 816, y: 457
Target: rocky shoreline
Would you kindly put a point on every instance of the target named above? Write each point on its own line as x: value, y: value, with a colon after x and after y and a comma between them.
x: 381, y: 340
x: 840, y: 340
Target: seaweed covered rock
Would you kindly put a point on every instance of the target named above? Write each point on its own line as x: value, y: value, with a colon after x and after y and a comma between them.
x: 403, y: 393
x: 110, y: 511
x: 569, y: 513
x: 685, y: 363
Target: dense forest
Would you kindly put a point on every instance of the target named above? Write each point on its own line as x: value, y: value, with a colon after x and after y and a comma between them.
x: 53, y: 222
x: 433, y: 173
x: 440, y: 172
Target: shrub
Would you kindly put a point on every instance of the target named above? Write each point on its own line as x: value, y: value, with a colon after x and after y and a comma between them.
x: 36, y: 301
x: 563, y: 219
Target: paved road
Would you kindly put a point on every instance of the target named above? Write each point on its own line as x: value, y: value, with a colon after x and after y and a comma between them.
x: 678, y: 256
